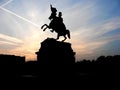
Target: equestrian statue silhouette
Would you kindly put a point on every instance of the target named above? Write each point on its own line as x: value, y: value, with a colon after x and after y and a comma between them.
x: 57, y: 24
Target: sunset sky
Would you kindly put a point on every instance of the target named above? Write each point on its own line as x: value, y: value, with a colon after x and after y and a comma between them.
x: 94, y: 26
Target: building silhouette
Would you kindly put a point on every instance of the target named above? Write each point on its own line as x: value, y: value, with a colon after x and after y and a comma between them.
x: 11, y: 59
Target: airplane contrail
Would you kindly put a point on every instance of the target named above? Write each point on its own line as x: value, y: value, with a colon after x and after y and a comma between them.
x: 12, y: 40
x: 6, y: 10
x: 20, y: 17
x: 6, y: 3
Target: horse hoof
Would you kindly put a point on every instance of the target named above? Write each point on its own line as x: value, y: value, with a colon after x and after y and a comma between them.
x: 41, y: 27
x: 44, y: 29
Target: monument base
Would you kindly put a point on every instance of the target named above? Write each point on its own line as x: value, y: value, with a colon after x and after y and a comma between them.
x: 55, y: 53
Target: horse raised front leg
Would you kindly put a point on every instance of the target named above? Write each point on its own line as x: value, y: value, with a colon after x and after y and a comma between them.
x: 44, y: 28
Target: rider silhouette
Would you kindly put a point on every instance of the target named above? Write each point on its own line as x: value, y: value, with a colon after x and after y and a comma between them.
x: 58, y: 20
x: 56, y: 24
x: 54, y: 19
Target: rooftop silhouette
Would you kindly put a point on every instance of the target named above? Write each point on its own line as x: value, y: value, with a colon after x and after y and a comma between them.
x: 4, y: 59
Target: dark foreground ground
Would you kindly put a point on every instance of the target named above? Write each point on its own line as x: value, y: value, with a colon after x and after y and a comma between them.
x: 105, y: 71
x: 56, y: 78
x: 79, y: 73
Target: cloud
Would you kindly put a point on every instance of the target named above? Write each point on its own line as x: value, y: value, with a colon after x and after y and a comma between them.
x: 79, y: 15
x: 7, y: 43
x: 97, y: 31
x: 11, y: 39
x: 90, y: 39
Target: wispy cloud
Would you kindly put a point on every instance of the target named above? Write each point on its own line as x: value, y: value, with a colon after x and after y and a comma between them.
x: 11, y: 39
x: 7, y: 43
x: 97, y: 30
x: 92, y: 38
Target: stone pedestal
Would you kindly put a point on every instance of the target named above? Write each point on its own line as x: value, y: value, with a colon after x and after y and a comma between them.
x: 55, y: 52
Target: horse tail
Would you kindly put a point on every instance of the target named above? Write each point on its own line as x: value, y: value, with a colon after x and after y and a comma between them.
x: 68, y: 33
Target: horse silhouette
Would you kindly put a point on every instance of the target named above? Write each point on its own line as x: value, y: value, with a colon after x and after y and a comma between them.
x: 57, y: 25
